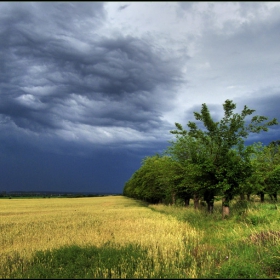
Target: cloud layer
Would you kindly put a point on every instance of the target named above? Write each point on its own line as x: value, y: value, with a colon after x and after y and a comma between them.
x: 60, y: 79
x: 111, y: 78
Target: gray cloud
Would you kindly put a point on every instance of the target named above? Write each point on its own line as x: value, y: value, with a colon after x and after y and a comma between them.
x: 90, y: 88
x: 122, y: 7
x: 265, y: 102
x: 51, y: 72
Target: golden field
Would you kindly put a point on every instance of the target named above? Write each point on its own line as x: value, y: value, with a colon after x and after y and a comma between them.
x: 29, y: 225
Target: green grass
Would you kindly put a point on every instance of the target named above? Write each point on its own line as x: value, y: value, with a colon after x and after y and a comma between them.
x: 109, y: 261
x: 245, y: 245
x: 133, y: 262
x: 83, y: 262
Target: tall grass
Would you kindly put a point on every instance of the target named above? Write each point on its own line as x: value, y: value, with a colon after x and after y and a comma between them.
x: 117, y: 237
x: 246, y: 245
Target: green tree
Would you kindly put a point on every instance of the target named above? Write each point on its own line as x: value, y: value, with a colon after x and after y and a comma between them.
x: 195, y: 161
x: 226, y: 167
x: 264, y: 160
x: 157, y: 180
x: 149, y: 180
x: 273, y: 182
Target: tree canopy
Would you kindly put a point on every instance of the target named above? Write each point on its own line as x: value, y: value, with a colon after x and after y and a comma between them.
x: 212, y: 160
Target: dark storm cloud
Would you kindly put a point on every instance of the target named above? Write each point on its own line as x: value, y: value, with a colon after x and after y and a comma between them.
x: 265, y: 102
x: 88, y: 89
x: 52, y: 56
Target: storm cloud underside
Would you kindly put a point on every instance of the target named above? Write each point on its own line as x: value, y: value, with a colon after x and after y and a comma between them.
x: 89, y: 89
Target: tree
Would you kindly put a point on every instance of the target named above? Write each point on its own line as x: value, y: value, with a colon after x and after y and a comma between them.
x: 157, y: 180
x: 148, y: 182
x: 195, y: 159
x: 264, y: 160
x: 226, y: 168
x: 252, y: 183
x: 273, y: 182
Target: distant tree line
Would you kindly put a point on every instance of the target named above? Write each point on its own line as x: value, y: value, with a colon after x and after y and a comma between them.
x: 202, y: 163
x: 47, y: 194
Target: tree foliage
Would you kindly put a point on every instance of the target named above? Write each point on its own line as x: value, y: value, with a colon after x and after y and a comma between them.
x: 210, y: 161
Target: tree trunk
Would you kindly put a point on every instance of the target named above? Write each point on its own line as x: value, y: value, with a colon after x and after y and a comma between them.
x: 210, y: 207
x: 262, y: 196
x: 173, y: 198
x: 273, y: 196
x: 248, y: 197
x: 196, y: 201
x: 242, y: 196
x: 209, y: 198
x: 225, y: 211
x: 225, y: 208
x: 187, y: 202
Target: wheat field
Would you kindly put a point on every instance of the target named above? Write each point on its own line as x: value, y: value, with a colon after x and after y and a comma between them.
x: 29, y: 225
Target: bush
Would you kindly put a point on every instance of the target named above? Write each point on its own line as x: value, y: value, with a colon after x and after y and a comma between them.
x: 256, y: 220
x: 239, y: 269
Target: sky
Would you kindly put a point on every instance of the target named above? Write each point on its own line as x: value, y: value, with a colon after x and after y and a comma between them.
x: 88, y: 89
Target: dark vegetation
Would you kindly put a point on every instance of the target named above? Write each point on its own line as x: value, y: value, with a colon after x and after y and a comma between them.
x: 85, y: 262
x: 203, y: 164
x: 37, y: 194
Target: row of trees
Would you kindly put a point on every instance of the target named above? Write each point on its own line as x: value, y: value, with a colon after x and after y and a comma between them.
x: 202, y: 163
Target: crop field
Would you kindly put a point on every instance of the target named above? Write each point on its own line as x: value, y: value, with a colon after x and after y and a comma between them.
x: 118, y: 237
